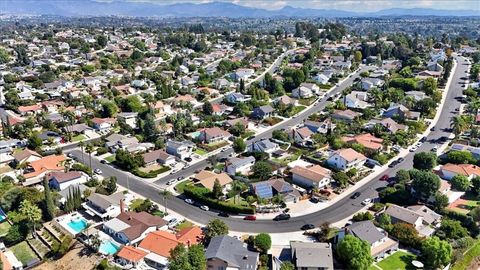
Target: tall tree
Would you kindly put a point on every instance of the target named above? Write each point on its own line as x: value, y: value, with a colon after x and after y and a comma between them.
x: 166, y: 195
x: 89, y: 150
x: 214, y: 228
x: 425, y: 160
x: 49, y: 204
x: 32, y: 213
x: 355, y: 253
x: 436, y: 253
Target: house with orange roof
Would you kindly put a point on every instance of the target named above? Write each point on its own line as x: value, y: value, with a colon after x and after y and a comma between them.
x: 158, y: 244
x: 36, y: 170
x: 448, y: 171
x: 367, y: 140
x: 103, y: 124
x: 32, y: 109
x: 346, y: 159
x: 130, y: 256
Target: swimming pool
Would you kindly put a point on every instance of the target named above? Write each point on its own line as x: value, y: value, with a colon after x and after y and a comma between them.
x: 108, y: 247
x: 77, y: 225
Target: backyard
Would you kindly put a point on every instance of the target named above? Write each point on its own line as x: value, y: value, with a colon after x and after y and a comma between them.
x: 465, y: 204
x: 24, y: 253
x: 200, y: 152
x: 468, y: 257
x: 399, y: 260
x: 4, y: 226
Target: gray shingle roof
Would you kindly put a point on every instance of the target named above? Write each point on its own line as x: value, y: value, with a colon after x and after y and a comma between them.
x: 312, y: 255
x: 232, y: 251
x: 366, y: 230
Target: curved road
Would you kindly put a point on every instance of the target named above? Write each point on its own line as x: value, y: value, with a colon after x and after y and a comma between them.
x: 338, y: 211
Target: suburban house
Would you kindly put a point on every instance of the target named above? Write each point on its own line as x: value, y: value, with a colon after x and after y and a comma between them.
x: 62, y: 180
x: 302, y: 136
x: 311, y: 177
x: 157, y: 246
x: 68, y: 191
x: 302, y: 92
x: 26, y: 156
x: 237, y: 97
x: 158, y: 157
x: 131, y: 256
x: 180, y: 149
x: 130, y: 228
x: 243, y: 74
x: 103, y: 124
x: 378, y: 239
x: 207, y: 179
x: 396, y: 110
x: 36, y: 170
x: 213, y: 135
x: 264, y: 145
x: 247, y: 124
x: 226, y: 252
x: 268, y: 189
x: 356, y: 100
x: 422, y: 218
x: 369, y: 83
x: 462, y: 147
x: 130, y: 118
x: 451, y: 170
x: 285, y: 101
x: 416, y: 95
x: 320, y: 127
x: 321, y: 78
x: 237, y: 165
x: 367, y: 140
x: 311, y: 256
x: 346, y: 115
x: 345, y: 159
x: 388, y: 124
x: 263, y: 112
x: 78, y: 129
x: 104, y: 206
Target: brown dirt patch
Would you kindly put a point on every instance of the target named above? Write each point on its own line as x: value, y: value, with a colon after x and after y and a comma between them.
x: 78, y: 256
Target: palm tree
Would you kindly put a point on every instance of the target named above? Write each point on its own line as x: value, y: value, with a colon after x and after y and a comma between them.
x: 95, y: 242
x: 89, y: 150
x: 82, y: 144
x: 166, y: 196
x: 70, y: 116
x: 459, y: 124
x: 32, y: 213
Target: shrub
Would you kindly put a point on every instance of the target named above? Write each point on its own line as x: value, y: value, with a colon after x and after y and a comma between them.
x: 150, y: 174
x: 101, y: 151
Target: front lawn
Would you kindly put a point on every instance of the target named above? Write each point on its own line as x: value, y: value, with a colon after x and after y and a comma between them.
x: 297, y: 109
x: 183, y: 225
x: 110, y: 159
x: 4, y: 226
x: 306, y: 101
x: 247, y: 134
x: 200, y: 151
x: 271, y: 121
x: 181, y: 186
x: 399, y: 260
x: 23, y: 252
x: 78, y: 138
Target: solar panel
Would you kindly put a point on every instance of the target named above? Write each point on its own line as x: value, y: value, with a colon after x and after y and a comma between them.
x: 264, y: 190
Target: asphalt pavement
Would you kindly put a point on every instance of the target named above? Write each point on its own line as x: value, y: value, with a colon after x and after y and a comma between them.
x: 338, y: 211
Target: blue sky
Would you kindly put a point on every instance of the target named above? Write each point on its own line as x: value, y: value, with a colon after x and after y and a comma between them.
x: 351, y: 5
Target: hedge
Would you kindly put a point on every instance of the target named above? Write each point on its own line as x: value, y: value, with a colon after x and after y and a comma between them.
x: 150, y: 174
x: 201, y: 195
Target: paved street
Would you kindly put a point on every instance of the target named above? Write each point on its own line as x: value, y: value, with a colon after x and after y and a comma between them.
x: 340, y: 210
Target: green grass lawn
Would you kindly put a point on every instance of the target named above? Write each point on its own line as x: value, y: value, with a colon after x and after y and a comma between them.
x: 135, y: 203
x: 247, y: 134
x: 4, y: 226
x: 78, y: 138
x: 399, y: 260
x: 468, y: 257
x: 23, y: 252
x: 238, y: 201
x: 200, y: 152
x: 296, y: 110
x: 180, y: 186
x: 110, y: 159
x: 184, y: 224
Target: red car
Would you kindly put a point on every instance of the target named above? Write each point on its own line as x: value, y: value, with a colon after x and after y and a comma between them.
x: 250, y: 218
x: 385, y: 177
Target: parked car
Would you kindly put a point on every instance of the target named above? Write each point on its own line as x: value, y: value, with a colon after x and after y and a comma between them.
x: 384, y: 177
x: 413, y: 149
x: 367, y: 201
x: 204, y: 208
x: 103, y: 161
x: 393, y: 164
x: 223, y: 214
x: 307, y: 227
x: 171, y: 181
x: 314, y: 200
x: 282, y: 217
x: 251, y: 217
x: 400, y: 160
x: 97, y: 171
x: 423, y: 139
x: 355, y: 195
x: 173, y: 222
x: 189, y: 201
x: 433, y: 129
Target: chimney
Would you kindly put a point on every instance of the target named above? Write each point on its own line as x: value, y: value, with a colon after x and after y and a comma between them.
x: 188, y: 243
x: 122, y: 206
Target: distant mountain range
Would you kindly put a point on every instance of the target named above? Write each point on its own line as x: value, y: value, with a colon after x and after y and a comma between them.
x: 212, y: 9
